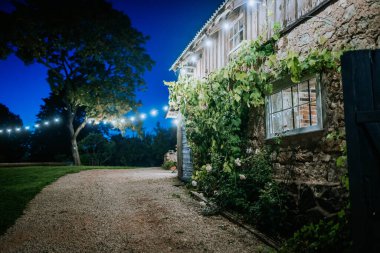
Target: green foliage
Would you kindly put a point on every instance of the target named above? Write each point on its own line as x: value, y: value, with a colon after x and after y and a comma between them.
x: 216, y: 112
x: 95, y: 58
x: 167, y: 165
x: 96, y: 150
x: 332, y: 235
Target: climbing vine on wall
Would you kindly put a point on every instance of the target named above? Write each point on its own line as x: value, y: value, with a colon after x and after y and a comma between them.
x: 215, y: 109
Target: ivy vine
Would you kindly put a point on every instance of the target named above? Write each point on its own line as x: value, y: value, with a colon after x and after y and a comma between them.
x: 215, y: 108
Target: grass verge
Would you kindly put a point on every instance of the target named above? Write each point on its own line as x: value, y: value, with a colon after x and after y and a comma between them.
x: 19, y: 185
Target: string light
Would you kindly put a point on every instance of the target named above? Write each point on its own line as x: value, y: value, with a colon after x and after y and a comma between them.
x: 154, y: 112
x: 142, y: 116
x: 226, y: 26
x: 208, y: 42
x: 175, y: 122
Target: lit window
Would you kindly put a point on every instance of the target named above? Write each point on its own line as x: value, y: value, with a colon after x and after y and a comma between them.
x: 237, y: 34
x: 294, y: 109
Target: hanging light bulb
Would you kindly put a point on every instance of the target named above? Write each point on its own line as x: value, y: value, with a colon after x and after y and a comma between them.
x: 1, y: 131
x: 122, y: 121
x: 165, y: 108
x: 143, y: 116
x: 176, y: 122
x: 154, y: 112
x: 27, y: 128
x: 46, y: 123
x: 132, y: 119
x: 9, y: 130
x: 56, y: 120
x: 18, y: 129
x: 37, y: 125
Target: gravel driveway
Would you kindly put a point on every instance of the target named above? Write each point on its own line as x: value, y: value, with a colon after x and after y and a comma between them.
x: 121, y: 211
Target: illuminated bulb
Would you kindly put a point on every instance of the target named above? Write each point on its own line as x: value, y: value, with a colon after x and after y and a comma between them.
x: 208, y: 42
x: 1, y: 131
x: 105, y: 121
x: 226, y: 26
x: 18, y: 129
x: 165, y: 108
x: 113, y: 122
x: 251, y: 3
x: 27, y: 128
x: 193, y: 58
x: 132, y: 119
x: 143, y: 116
x: 175, y: 122
x: 9, y: 130
x: 46, y: 123
x: 56, y: 120
x: 122, y: 121
x: 154, y: 112
x: 37, y: 125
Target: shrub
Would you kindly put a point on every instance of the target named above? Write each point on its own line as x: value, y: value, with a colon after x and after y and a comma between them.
x: 168, y: 165
x: 331, y: 235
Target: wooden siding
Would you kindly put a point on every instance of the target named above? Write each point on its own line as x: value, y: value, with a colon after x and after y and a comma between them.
x: 259, y: 21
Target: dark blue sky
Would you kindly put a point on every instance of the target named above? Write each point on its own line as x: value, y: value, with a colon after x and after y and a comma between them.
x: 171, y: 25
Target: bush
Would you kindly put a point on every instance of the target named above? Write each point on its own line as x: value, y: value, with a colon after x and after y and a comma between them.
x: 168, y: 165
x: 331, y: 235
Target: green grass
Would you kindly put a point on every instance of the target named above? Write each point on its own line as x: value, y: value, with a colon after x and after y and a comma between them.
x: 19, y: 185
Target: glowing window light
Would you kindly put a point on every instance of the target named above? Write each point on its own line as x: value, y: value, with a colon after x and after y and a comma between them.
x: 143, y: 116
x: 37, y: 125
x: 46, y: 123
x: 132, y: 119
x: 18, y: 129
x: 154, y: 112
x: 56, y: 120
x: 165, y: 108
x: 9, y: 130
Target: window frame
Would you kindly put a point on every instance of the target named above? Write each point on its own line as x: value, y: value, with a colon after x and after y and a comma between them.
x: 231, y: 35
x: 286, y: 83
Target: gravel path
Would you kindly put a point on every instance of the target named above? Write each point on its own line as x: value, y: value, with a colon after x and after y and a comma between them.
x: 121, y: 211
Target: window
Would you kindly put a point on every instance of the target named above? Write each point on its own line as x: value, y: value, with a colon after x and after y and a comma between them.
x: 237, y: 34
x: 294, y: 109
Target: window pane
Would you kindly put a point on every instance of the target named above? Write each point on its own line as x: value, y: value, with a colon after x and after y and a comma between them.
x: 314, y: 115
x: 287, y: 120
x: 296, y: 117
x: 313, y: 90
x: 295, y: 95
x: 303, y: 93
x: 276, y: 122
x: 276, y: 102
x: 304, y: 115
x: 287, y: 98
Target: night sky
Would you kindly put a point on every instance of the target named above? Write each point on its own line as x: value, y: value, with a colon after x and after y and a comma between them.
x: 170, y: 24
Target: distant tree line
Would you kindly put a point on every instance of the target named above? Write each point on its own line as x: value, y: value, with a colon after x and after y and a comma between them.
x: 98, y: 144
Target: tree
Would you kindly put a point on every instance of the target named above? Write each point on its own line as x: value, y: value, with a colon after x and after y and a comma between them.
x: 95, y: 58
x: 12, y: 145
x: 97, y: 149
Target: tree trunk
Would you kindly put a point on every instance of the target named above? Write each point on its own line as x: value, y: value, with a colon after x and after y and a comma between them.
x: 75, y: 151
x: 73, y: 137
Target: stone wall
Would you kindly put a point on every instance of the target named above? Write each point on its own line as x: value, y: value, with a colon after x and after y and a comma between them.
x: 308, y: 161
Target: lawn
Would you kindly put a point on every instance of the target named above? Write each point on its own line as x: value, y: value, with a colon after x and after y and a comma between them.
x: 19, y: 185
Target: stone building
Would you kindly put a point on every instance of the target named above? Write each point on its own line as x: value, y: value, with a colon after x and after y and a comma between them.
x: 308, y: 114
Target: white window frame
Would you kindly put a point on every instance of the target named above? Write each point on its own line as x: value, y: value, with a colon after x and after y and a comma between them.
x: 233, y: 47
x: 284, y: 85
